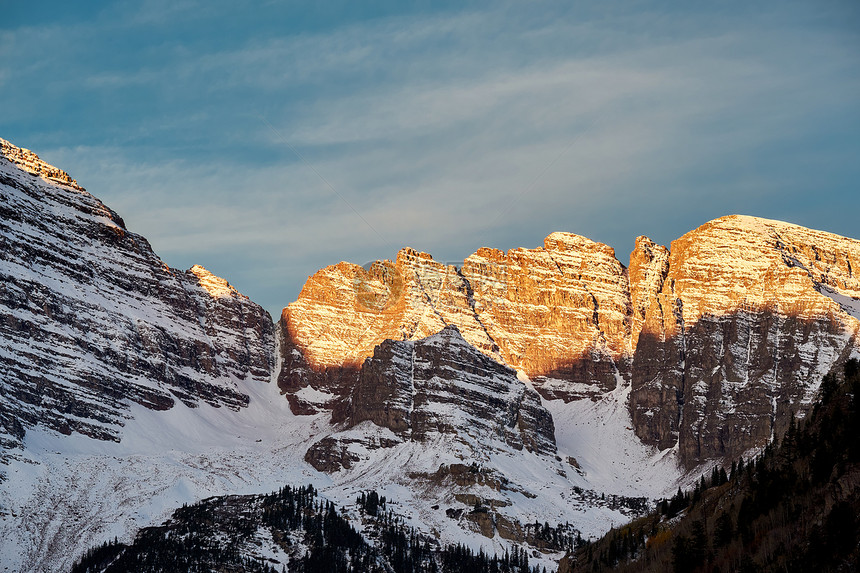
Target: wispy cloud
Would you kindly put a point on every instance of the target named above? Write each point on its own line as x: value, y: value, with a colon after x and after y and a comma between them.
x: 637, y: 120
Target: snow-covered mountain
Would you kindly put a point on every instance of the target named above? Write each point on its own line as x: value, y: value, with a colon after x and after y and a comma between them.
x: 551, y: 385
x: 93, y: 320
x: 748, y: 316
x: 129, y: 388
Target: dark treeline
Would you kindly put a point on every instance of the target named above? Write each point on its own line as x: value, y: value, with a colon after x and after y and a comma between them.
x: 792, y: 508
x: 216, y: 535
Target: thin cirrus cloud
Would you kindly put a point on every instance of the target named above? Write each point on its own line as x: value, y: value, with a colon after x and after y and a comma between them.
x: 444, y: 129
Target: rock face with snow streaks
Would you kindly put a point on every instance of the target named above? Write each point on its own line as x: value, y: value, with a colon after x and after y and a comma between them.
x: 91, y: 320
x: 559, y: 313
x: 745, y: 322
x: 722, y: 339
x: 440, y: 385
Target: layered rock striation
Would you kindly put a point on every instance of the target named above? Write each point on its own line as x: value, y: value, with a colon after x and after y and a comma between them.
x: 92, y: 321
x: 439, y: 386
x: 739, y: 328
x: 723, y: 338
x: 559, y: 313
x: 28, y: 161
x: 442, y: 384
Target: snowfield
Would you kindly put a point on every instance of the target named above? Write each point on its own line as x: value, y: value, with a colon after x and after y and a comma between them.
x: 67, y: 493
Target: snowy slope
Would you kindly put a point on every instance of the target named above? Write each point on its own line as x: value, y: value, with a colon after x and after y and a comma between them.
x: 67, y: 493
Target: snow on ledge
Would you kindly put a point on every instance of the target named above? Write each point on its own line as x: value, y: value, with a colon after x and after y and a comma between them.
x: 849, y: 304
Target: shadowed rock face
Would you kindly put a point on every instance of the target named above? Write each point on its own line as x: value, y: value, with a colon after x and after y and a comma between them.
x: 441, y: 384
x: 309, y: 388
x: 92, y: 320
x: 438, y: 385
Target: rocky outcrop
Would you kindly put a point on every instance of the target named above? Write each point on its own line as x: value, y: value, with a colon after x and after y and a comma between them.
x: 30, y: 162
x: 744, y: 325
x: 649, y: 265
x: 91, y: 320
x: 722, y: 339
x: 440, y: 385
x: 558, y: 313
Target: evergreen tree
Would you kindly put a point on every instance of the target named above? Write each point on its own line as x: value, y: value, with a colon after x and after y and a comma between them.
x: 724, y: 530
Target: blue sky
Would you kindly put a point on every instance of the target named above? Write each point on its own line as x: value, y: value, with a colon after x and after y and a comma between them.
x: 441, y: 126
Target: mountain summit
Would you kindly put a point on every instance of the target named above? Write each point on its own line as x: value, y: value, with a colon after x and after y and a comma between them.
x: 721, y: 338
x: 93, y: 321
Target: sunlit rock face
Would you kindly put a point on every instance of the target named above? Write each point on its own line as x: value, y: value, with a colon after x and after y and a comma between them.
x: 29, y: 162
x: 749, y: 316
x: 558, y: 313
x: 345, y: 311
x: 722, y: 338
x: 91, y: 320
x: 649, y: 265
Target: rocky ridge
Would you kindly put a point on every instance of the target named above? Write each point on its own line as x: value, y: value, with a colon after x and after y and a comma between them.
x: 723, y: 337
x: 559, y: 313
x: 30, y: 162
x: 712, y: 345
x: 91, y: 320
x: 436, y: 386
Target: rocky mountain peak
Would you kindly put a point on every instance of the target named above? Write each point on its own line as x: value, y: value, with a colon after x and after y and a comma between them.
x: 214, y: 285
x: 569, y: 242
x: 92, y: 321
x: 749, y: 317
x: 740, y: 314
x: 559, y: 313
x: 30, y: 162
x: 738, y: 263
x: 409, y: 254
